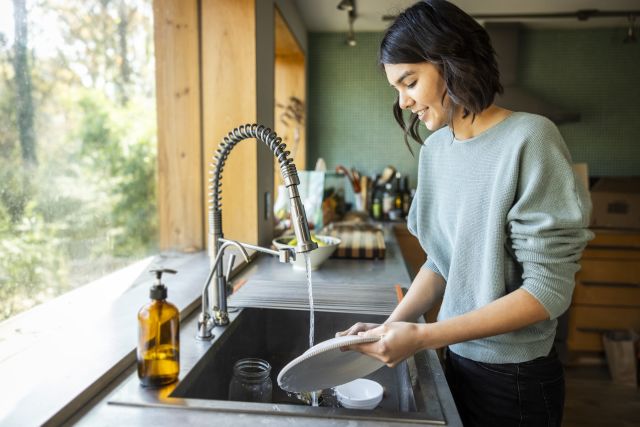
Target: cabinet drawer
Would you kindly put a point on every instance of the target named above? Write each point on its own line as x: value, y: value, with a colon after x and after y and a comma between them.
x: 610, y: 239
x: 608, y: 282
x: 603, y: 293
x: 579, y: 340
x: 587, y: 323
x: 613, y: 271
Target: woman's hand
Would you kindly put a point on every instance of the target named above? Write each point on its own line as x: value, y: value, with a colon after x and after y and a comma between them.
x: 357, y: 328
x: 398, y: 341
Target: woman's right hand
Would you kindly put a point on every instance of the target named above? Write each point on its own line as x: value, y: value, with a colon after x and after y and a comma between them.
x: 358, y: 327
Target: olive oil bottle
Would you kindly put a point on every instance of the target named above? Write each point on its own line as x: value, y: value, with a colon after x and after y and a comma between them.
x: 158, y: 337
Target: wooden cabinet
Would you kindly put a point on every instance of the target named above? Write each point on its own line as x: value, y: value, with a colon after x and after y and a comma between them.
x: 607, y: 293
x: 414, y: 258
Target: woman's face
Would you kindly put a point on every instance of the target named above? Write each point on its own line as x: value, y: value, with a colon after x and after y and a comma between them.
x: 421, y: 89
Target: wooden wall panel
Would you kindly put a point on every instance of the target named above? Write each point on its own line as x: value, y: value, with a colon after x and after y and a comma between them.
x: 229, y: 99
x: 290, y: 82
x: 178, y: 116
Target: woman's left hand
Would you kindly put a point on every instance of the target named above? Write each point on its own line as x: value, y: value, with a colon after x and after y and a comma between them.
x: 398, y: 341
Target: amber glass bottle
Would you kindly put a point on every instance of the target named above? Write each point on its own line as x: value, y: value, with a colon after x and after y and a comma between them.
x: 158, y: 337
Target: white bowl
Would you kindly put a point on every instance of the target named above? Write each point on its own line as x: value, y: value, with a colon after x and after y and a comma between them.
x: 359, y: 394
x: 318, y: 256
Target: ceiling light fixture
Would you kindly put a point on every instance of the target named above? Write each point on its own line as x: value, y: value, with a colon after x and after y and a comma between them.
x: 350, y: 7
x: 346, y: 5
x: 631, y: 36
x: 351, y: 38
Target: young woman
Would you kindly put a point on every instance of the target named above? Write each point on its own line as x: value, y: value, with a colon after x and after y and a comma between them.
x: 501, y: 216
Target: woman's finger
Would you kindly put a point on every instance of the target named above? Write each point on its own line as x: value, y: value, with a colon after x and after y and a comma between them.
x: 356, y: 328
x: 373, y: 332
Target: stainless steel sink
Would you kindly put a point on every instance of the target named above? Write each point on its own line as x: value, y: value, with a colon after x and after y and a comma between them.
x: 279, y: 336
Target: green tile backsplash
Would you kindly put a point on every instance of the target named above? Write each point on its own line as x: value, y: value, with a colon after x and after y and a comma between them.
x: 596, y: 74
x: 589, y: 71
x: 349, y: 107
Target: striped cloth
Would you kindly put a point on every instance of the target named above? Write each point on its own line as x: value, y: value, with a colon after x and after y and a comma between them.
x: 359, y: 240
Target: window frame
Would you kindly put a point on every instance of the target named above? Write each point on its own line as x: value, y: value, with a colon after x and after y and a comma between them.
x: 97, y: 334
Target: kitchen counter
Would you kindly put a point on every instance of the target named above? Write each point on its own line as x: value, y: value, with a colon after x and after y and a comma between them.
x: 388, y: 271
x: 383, y: 273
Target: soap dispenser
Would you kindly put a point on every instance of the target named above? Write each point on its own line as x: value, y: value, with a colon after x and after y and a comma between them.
x: 158, y: 337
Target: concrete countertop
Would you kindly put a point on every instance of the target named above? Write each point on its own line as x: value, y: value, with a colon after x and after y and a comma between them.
x: 387, y: 272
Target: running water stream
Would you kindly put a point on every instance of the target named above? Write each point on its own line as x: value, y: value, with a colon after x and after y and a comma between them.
x: 307, y: 258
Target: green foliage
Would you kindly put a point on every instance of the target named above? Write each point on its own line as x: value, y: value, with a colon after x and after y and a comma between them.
x: 135, y: 210
x: 121, y: 153
x: 31, y: 270
x: 89, y: 205
x: 97, y: 209
x: 16, y: 191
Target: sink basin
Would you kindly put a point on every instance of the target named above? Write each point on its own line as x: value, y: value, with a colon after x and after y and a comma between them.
x: 278, y: 336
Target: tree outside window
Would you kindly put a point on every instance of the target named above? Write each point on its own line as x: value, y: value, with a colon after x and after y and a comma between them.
x: 77, y: 144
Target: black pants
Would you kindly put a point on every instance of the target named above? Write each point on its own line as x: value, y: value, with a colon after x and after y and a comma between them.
x: 511, y: 394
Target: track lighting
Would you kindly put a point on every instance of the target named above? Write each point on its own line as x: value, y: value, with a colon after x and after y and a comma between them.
x: 351, y: 38
x: 631, y: 36
x: 346, y: 5
x: 350, y: 7
x: 580, y: 15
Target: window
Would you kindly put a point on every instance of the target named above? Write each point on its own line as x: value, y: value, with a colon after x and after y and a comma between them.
x: 77, y: 144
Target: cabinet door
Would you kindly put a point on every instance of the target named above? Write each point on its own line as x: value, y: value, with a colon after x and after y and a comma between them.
x: 413, y: 254
x: 414, y: 257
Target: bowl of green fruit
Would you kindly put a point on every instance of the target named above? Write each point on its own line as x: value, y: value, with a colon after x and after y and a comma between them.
x: 326, y: 247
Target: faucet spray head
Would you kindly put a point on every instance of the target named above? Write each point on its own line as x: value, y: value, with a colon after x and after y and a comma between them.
x: 298, y: 216
x: 301, y: 227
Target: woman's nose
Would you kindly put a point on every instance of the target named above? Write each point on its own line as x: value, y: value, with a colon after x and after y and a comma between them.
x: 404, y: 101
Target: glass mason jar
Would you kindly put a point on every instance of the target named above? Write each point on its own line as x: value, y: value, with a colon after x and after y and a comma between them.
x: 251, y: 381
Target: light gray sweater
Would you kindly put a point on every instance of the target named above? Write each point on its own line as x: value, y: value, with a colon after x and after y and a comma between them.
x: 499, y: 212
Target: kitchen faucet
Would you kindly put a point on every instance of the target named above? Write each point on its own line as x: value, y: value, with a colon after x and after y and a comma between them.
x: 218, y: 244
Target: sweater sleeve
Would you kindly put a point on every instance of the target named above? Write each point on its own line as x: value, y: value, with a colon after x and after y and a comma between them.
x: 412, y: 221
x: 548, y: 221
x: 431, y: 266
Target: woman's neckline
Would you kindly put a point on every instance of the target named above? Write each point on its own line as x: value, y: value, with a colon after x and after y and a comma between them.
x: 486, y: 131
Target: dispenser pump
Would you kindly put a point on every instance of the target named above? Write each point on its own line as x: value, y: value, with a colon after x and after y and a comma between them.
x: 158, y: 291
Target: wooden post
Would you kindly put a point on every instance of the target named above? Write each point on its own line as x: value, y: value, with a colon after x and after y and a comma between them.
x: 229, y: 100
x: 180, y: 169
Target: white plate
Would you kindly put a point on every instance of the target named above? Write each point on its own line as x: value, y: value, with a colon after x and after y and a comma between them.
x: 324, y: 365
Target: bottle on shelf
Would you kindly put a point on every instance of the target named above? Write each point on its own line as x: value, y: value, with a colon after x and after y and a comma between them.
x: 396, y: 210
x: 387, y: 200
x: 397, y: 201
x: 406, y: 196
x: 376, y: 207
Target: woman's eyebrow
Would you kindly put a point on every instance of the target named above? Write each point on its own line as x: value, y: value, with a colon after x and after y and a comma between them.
x: 404, y: 76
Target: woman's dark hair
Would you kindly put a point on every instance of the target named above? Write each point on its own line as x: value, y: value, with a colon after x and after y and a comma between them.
x: 439, y: 32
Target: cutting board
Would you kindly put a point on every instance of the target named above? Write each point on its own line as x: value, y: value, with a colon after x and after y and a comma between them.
x: 359, y: 240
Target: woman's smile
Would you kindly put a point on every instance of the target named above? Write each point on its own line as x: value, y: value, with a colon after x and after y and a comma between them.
x: 421, y: 113
x: 420, y: 89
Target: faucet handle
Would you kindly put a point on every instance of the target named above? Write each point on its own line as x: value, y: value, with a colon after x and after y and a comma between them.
x: 205, y: 326
x: 286, y: 255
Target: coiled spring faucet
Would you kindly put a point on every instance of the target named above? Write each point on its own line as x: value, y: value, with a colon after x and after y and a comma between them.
x: 217, y: 242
